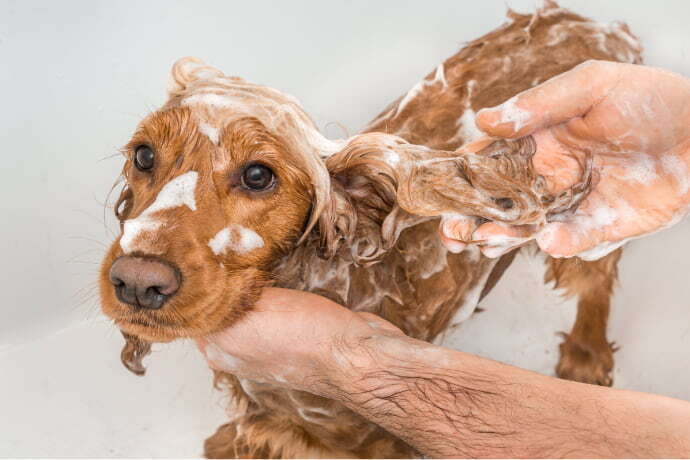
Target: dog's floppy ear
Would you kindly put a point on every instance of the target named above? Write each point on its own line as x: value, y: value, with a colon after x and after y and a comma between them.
x: 380, y: 185
x: 133, y: 354
x: 361, y: 211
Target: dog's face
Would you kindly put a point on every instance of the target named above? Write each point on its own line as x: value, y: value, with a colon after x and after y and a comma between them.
x: 213, y: 198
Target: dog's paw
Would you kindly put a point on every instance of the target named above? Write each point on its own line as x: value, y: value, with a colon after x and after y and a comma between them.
x: 586, y: 362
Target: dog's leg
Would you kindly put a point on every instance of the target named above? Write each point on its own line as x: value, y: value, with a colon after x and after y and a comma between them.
x: 586, y: 354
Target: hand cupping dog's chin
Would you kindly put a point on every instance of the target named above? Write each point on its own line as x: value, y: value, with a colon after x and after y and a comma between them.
x: 298, y: 340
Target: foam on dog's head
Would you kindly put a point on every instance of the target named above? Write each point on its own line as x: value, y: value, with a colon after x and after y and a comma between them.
x: 218, y: 99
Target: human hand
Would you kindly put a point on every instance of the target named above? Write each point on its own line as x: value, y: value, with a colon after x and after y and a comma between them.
x: 294, y: 339
x: 633, y: 120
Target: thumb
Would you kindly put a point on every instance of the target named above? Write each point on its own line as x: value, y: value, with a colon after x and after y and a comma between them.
x: 569, y: 95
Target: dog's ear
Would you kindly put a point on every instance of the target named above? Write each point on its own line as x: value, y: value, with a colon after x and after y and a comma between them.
x: 133, y: 354
x: 361, y: 212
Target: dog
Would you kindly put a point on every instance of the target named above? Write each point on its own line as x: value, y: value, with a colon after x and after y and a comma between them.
x: 230, y: 188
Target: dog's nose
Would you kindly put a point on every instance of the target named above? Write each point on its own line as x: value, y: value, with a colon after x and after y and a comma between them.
x: 142, y: 282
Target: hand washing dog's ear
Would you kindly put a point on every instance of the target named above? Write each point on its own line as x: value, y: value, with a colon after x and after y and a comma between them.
x: 383, y: 184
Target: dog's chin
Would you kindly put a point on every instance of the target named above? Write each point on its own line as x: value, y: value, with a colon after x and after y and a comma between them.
x: 151, y: 332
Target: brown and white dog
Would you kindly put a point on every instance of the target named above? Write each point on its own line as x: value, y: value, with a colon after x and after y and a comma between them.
x: 229, y: 188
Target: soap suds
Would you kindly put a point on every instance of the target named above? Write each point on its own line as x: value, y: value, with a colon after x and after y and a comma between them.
x: 677, y: 168
x: 511, y: 113
x: 439, y: 77
x: 603, y: 215
x: 468, y: 128
x: 178, y: 192
x: 236, y: 238
x: 131, y: 230
x: 391, y: 157
x: 642, y: 169
x: 209, y: 131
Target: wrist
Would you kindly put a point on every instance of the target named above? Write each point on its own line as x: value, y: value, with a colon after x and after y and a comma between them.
x: 370, y: 369
x: 345, y: 364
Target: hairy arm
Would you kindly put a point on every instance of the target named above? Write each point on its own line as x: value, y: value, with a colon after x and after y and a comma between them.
x: 452, y: 404
x: 443, y: 402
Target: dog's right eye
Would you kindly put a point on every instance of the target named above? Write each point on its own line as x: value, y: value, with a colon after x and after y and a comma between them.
x: 258, y: 177
x: 144, y: 158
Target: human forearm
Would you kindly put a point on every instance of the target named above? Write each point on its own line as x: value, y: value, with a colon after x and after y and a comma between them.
x: 450, y: 404
x: 443, y: 402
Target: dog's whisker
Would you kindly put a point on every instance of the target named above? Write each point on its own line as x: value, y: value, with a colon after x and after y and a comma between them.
x: 108, y: 157
x: 86, y: 238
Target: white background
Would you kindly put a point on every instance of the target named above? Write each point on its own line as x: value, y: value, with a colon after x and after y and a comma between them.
x: 76, y: 77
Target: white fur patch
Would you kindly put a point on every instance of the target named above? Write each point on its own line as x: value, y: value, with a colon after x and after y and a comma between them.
x: 178, y: 192
x: 236, y: 238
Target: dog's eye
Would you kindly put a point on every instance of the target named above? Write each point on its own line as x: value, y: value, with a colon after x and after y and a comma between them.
x: 258, y: 177
x: 143, y: 158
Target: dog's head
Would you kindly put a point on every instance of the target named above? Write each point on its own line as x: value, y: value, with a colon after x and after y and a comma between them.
x: 219, y: 183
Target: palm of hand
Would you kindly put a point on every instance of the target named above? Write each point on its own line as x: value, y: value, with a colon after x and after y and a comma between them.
x: 641, y: 167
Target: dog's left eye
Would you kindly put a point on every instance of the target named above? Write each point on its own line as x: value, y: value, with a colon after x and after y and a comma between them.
x: 258, y: 177
x: 144, y: 158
